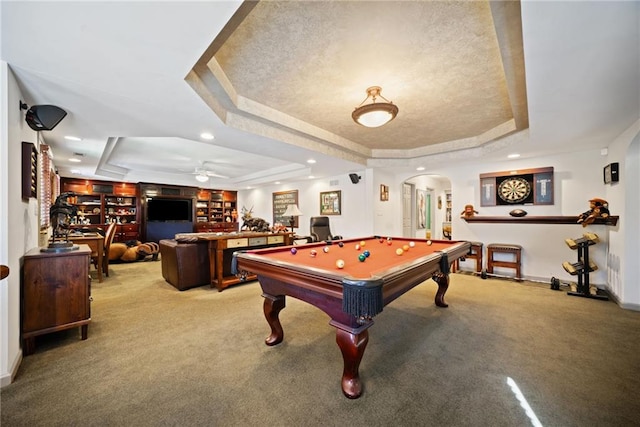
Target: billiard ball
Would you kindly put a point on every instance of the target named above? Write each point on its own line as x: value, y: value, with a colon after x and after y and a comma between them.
x: 389, y: 239
x: 357, y: 247
x: 429, y: 242
x: 313, y: 252
x: 405, y: 248
x: 340, y: 244
x: 361, y: 257
x: 366, y: 253
x: 340, y: 263
x: 412, y: 244
x: 294, y: 251
x: 381, y: 240
x: 362, y: 243
x: 325, y: 249
x: 389, y: 242
x: 399, y: 251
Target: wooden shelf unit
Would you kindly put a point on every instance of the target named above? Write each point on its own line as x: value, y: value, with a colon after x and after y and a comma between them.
x: 220, y: 208
x: 611, y: 220
x: 102, y: 202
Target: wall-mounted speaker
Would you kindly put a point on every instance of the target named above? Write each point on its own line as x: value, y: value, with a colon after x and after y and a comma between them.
x: 44, y: 117
x: 355, y: 178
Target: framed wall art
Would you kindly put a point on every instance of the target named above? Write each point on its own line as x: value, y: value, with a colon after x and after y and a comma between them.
x: 280, y: 201
x: 331, y: 203
x: 384, y: 193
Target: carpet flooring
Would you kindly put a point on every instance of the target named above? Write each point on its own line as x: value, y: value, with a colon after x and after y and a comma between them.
x: 156, y: 356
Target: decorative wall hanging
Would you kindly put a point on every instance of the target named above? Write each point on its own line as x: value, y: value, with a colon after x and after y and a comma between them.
x: 384, y: 192
x: 280, y: 202
x: 517, y: 187
x: 331, y: 203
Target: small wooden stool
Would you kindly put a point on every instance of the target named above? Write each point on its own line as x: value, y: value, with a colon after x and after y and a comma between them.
x: 499, y: 248
x: 475, y: 252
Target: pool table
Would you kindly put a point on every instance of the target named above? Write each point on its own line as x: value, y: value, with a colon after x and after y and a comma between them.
x: 351, y: 295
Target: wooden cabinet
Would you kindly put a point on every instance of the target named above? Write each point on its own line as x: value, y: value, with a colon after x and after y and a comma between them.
x: 100, y: 203
x: 56, y: 293
x: 216, y: 211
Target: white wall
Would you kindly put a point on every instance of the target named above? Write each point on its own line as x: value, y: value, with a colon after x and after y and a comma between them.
x: 624, y: 242
x: 356, y: 218
x: 577, y: 178
x: 18, y: 222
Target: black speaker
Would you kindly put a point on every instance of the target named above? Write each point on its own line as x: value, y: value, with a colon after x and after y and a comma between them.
x: 44, y: 117
x: 355, y: 178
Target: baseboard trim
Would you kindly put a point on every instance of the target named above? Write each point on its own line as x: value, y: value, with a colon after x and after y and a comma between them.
x: 7, y: 379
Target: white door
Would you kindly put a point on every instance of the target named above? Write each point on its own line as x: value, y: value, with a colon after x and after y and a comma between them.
x: 407, y: 210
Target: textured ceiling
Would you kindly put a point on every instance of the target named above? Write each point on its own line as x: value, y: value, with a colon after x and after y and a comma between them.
x: 454, y: 69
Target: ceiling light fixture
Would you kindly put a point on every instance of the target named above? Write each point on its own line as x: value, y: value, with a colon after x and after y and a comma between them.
x: 375, y: 114
x: 207, y: 136
x: 72, y: 138
x: 202, y: 177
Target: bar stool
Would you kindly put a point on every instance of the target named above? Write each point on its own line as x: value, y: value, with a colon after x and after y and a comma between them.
x: 502, y: 248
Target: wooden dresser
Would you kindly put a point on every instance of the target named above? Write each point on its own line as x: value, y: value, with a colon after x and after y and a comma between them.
x: 56, y: 291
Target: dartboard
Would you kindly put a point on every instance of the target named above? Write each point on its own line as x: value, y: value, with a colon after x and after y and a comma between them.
x: 514, y: 190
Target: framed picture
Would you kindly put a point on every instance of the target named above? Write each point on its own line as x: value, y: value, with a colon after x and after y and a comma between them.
x: 421, y: 209
x: 280, y: 201
x: 384, y: 193
x: 331, y: 203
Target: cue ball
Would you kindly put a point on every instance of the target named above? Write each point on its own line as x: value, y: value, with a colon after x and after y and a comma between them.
x: 412, y: 244
x: 313, y: 252
x: 294, y: 251
x: 429, y: 242
x: 340, y: 263
x: 399, y: 251
x: 361, y: 257
x: 357, y: 247
x: 325, y: 249
x: 405, y: 248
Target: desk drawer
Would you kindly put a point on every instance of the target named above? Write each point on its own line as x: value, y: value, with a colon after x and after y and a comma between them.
x: 272, y: 240
x: 257, y: 241
x: 237, y: 243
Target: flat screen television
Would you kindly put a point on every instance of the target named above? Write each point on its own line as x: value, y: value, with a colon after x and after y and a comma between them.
x: 163, y: 210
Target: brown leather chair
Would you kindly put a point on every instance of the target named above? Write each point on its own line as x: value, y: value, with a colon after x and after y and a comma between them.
x: 185, y: 265
x: 320, y: 230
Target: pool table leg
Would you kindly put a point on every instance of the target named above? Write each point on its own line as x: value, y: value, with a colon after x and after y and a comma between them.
x: 442, y: 280
x: 272, y: 307
x: 352, y: 347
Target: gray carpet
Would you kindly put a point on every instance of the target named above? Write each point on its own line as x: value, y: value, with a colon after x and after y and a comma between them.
x: 157, y: 356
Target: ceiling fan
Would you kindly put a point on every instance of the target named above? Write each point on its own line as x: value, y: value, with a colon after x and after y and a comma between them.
x: 202, y: 173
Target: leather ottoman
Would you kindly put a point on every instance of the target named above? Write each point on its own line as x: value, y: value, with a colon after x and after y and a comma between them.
x: 185, y: 265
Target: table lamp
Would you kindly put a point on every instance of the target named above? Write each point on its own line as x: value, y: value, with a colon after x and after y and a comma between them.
x: 292, y: 211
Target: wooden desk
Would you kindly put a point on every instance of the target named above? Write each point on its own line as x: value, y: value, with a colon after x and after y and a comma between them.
x: 96, y: 242
x: 222, y: 246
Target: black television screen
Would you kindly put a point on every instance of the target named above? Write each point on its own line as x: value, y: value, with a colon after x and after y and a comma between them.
x: 169, y: 210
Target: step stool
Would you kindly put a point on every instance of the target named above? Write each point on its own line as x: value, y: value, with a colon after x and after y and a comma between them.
x: 501, y: 248
x: 475, y: 252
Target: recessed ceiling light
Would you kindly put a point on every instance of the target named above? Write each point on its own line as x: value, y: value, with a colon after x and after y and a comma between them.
x: 75, y: 160
x: 311, y: 161
x: 207, y: 136
x: 76, y: 171
x: 311, y: 177
x: 72, y: 138
x: 420, y: 168
x: 277, y: 182
x: 513, y: 156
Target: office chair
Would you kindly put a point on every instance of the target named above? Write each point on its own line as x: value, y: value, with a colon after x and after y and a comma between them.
x: 320, y: 230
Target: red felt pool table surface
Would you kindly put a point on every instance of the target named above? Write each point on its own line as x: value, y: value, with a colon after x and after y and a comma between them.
x: 382, y: 255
